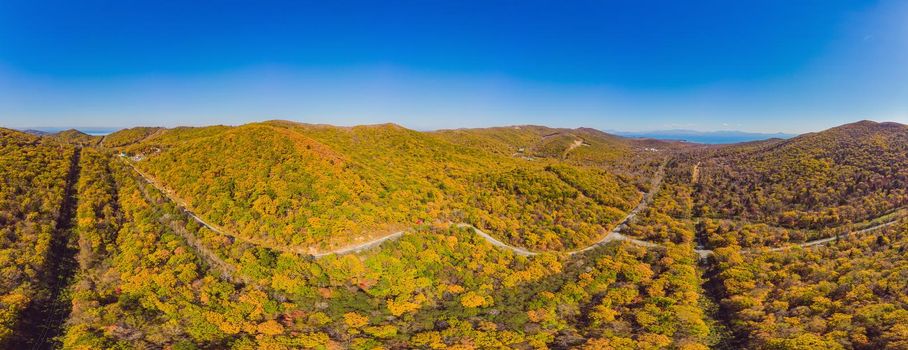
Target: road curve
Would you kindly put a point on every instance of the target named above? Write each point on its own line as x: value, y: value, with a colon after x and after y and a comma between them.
x: 817, y: 242
x: 362, y: 246
x: 181, y: 204
x: 495, y: 242
x: 613, y: 235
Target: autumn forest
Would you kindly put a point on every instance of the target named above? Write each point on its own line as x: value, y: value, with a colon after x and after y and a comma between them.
x: 283, y: 235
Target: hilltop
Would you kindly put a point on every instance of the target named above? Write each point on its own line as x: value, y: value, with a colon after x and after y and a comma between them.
x: 269, y: 181
x: 845, y: 174
x: 76, y: 137
x: 129, y: 136
x: 707, y: 137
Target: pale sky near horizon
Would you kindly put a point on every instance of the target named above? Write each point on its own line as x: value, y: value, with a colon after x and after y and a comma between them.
x: 761, y: 66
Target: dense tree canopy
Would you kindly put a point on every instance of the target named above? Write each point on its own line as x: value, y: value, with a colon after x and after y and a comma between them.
x: 76, y: 137
x: 436, y: 287
x: 846, y: 174
x: 314, y: 186
x: 129, y: 136
x: 849, y: 295
x: 33, y: 173
x: 707, y: 258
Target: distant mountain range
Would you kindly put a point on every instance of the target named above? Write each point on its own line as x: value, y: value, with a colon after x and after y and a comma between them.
x: 712, y: 137
x: 36, y: 132
x: 94, y: 131
x: 709, y: 137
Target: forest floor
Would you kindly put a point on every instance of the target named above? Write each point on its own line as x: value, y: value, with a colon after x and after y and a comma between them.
x: 42, y: 321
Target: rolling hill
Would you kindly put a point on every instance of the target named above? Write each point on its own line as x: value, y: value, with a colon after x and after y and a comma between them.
x: 129, y: 136
x: 775, y: 244
x: 76, y: 137
x: 845, y: 174
x: 320, y: 186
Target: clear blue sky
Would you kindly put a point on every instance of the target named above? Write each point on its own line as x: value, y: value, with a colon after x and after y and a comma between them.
x: 767, y: 66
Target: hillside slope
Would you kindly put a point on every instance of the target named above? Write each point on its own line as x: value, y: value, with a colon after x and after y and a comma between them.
x: 33, y: 175
x: 148, y: 275
x: 320, y: 186
x: 76, y: 137
x: 848, y: 295
x: 129, y: 136
x: 151, y: 277
x: 845, y: 174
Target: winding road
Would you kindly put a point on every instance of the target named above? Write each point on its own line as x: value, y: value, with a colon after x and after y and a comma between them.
x: 362, y: 246
x: 217, y: 229
x: 571, y: 147
x: 822, y: 241
x: 613, y: 235
x: 497, y: 243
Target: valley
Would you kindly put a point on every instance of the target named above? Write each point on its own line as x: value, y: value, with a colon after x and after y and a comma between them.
x: 287, y: 235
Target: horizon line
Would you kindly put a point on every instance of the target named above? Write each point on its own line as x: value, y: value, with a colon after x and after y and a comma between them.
x: 607, y: 130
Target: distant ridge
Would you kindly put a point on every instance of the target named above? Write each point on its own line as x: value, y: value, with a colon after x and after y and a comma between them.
x: 711, y: 137
x: 74, y: 136
x: 35, y: 132
x: 93, y: 131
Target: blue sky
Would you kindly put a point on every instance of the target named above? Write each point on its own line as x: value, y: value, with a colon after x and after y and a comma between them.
x: 766, y: 66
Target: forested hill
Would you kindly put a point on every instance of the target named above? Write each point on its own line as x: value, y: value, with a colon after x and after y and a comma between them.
x: 128, y: 136
x: 95, y: 257
x: 33, y: 175
x: 845, y: 174
x: 76, y: 137
x: 321, y: 186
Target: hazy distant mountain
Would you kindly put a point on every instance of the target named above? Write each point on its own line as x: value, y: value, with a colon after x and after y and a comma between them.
x: 93, y: 131
x: 726, y: 136
x: 35, y: 132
